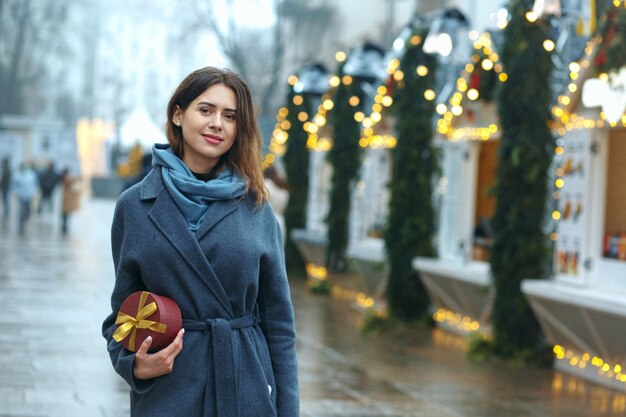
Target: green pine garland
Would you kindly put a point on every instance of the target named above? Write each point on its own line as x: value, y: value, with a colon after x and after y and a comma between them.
x: 410, y: 227
x: 525, y: 153
x: 297, y: 170
x: 612, y: 57
x: 345, y: 158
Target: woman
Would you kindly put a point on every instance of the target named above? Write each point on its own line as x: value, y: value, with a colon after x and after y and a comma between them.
x: 197, y: 229
x: 71, y: 198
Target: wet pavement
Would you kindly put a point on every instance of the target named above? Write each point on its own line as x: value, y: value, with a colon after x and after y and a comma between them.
x: 54, y: 293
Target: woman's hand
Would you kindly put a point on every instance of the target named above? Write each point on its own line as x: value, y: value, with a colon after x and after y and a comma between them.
x: 151, y: 365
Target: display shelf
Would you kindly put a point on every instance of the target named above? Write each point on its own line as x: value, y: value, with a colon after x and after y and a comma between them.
x: 463, y: 291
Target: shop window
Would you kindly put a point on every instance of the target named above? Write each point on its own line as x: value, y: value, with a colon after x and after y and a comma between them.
x: 615, y: 208
x: 485, y: 202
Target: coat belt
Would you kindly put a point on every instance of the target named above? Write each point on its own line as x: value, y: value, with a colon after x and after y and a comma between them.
x: 223, y: 359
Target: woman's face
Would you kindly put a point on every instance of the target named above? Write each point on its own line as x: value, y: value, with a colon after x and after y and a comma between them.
x: 209, y: 127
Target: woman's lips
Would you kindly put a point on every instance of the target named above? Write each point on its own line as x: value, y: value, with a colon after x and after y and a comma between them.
x: 212, y: 139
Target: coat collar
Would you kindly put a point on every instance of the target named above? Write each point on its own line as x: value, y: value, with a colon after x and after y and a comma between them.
x: 168, y: 219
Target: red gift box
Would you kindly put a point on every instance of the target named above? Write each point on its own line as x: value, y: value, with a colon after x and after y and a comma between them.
x: 144, y: 314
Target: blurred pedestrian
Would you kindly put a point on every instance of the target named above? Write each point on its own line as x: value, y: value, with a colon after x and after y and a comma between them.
x: 196, y: 230
x: 146, y: 166
x: 278, y: 194
x: 25, y: 185
x: 48, y: 180
x: 71, y: 198
x: 5, y: 186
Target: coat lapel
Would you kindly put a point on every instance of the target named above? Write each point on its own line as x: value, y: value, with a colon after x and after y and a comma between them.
x: 216, y: 212
x: 168, y: 219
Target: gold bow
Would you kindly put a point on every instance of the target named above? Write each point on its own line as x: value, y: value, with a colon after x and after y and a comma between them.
x: 130, y: 324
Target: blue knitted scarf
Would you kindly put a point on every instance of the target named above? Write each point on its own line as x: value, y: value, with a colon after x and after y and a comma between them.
x: 191, y: 195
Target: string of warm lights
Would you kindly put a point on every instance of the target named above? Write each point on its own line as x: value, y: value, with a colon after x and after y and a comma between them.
x: 582, y: 361
x: 484, y: 58
x: 457, y: 320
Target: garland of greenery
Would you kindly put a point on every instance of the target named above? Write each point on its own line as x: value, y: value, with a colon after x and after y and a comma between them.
x: 612, y: 57
x: 525, y: 153
x: 410, y: 227
x: 345, y: 158
x: 483, y: 80
x: 297, y: 170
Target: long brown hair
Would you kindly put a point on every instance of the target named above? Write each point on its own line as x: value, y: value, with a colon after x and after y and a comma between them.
x: 245, y: 154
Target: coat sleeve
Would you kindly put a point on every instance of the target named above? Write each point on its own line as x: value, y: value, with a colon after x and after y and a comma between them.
x: 278, y: 325
x: 127, y: 281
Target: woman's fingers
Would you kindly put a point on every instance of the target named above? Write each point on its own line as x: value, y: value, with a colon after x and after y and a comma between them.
x: 151, y: 365
x: 143, y: 349
x: 174, y: 348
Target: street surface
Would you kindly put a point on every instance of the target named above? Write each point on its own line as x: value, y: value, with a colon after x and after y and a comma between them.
x: 54, y: 294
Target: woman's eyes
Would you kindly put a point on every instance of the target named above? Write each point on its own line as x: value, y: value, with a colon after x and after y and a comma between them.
x: 227, y: 116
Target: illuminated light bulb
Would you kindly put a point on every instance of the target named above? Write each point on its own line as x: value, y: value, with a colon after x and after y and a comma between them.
x: 469, y: 68
x: 283, y: 112
x: 368, y: 131
x: 531, y: 16
x: 473, y: 35
x: 328, y: 104
x: 559, y: 183
x: 297, y: 100
x: 441, y: 108
x: 502, y: 24
x: 363, y: 143
x: 429, y: 94
x: 377, y: 107
x: 382, y: 90
x: 475, y: 58
x: 494, y: 57
x: 398, y: 75
x: 448, y: 116
x: 367, y: 122
x: 334, y: 81
x: 487, y: 64
x: 340, y: 56
x: 549, y: 45
x: 503, y: 77
x: 398, y: 44
x: 493, y: 128
x: 415, y: 40
x: 346, y: 80
x: 559, y: 150
x: 422, y: 70
x: 376, y: 117
x: 457, y: 110
x: 319, y: 120
x: 285, y: 125
x: 472, y: 94
x: 573, y: 75
x: 462, y: 87
x: 387, y: 101
x: 554, y: 236
x: 359, y: 116
x: 303, y: 116
x: 354, y: 101
x: 378, y: 99
x: 313, y: 128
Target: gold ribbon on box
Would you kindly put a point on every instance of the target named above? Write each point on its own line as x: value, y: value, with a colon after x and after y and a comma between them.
x: 130, y: 324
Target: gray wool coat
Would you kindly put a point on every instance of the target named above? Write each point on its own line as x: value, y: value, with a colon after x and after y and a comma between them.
x: 229, y: 280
